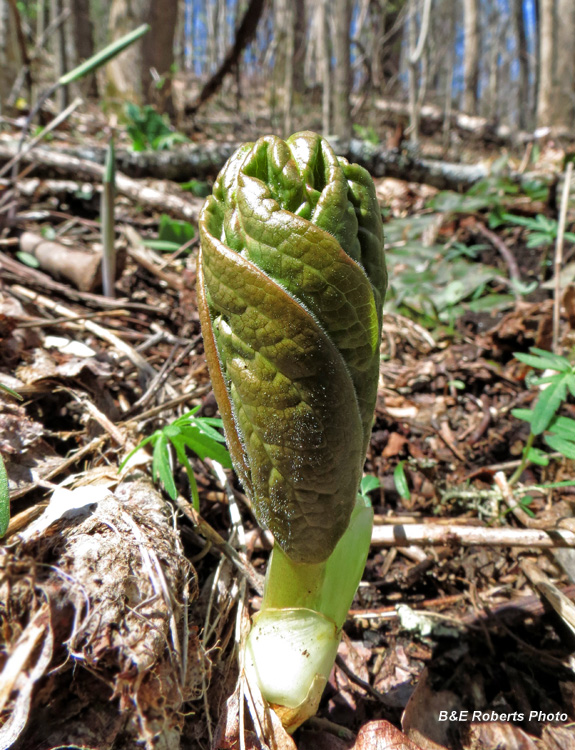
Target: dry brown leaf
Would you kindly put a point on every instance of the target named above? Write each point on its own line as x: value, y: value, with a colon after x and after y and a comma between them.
x: 394, y: 445
x: 494, y: 734
x: 558, y: 738
x: 381, y: 735
x: 420, y: 719
x: 309, y: 740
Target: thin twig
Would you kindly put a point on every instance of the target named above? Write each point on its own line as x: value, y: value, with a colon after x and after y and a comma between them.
x: 559, y: 254
x: 90, y: 447
x: 136, y: 359
x: 208, y: 532
x: 503, y: 250
x: 42, y: 134
x: 465, y: 536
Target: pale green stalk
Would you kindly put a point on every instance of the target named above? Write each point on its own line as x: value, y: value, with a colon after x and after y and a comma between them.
x: 107, y: 216
x: 293, y: 643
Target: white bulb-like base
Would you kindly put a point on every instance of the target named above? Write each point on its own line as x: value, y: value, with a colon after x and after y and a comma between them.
x: 292, y: 652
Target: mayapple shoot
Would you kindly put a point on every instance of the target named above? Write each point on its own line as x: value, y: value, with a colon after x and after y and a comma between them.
x: 291, y: 282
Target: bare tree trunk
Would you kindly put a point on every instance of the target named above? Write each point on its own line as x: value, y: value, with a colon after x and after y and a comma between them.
x: 342, y: 70
x: 449, y: 71
x: 564, y: 94
x: 124, y: 79
x: 522, y: 58
x: 417, y: 45
x: 490, y: 108
x: 300, y: 32
x: 545, y: 93
x: 244, y: 34
x: 412, y: 72
x: 57, y: 7
x: 221, y: 30
x: 84, y: 42
x: 158, y: 53
x: 471, y: 56
x: 131, y: 73
x: 10, y: 59
x: 289, y: 69
x: 325, y: 62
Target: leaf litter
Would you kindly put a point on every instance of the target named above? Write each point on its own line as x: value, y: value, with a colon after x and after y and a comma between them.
x: 120, y: 623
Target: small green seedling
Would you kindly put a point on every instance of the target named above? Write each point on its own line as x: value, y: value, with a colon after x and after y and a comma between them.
x: 172, y: 234
x: 199, y: 434
x: 4, y: 488
x: 558, y: 432
x: 401, y: 481
x: 542, y: 231
x: 368, y: 484
x: 149, y: 131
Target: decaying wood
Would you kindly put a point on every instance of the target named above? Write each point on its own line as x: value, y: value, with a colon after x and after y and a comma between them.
x: 432, y: 119
x: 82, y: 268
x: 206, y: 160
x: 141, y: 194
x: 109, y: 609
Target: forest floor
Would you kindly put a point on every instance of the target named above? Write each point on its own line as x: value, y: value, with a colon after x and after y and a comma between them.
x: 121, y: 608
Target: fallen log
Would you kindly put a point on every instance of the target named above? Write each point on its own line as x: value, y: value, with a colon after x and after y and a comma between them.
x: 50, y: 161
x: 204, y: 161
x: 433, y: 119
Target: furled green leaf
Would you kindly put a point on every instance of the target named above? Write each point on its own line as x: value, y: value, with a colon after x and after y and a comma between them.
x: 102, y: 57
x: 290, y: 290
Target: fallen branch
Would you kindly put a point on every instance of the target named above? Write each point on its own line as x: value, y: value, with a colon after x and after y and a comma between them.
x: 502, y: 249
x: 82, y: 268
x: 199, y: 161
x: 433, y: 119
x: 244, y: 34
x: 140, y: 193
x: 467, y: 536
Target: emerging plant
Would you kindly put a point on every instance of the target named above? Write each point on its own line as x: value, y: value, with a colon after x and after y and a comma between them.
x: 149, y: 131
x: 172, y: 234
x: 558, y: 432
x: 199, y: 434
x: 4, y: 488
x: 107, y: 219
x: 291, y: 281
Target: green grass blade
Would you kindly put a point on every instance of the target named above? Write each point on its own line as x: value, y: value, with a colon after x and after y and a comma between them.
x: 183, y: 459
x: 11, y: 392
x: 401, y: 481
x: 149, y: 439
x: 107, y: 220
x: 4, y: 499
x: 161, y: 466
